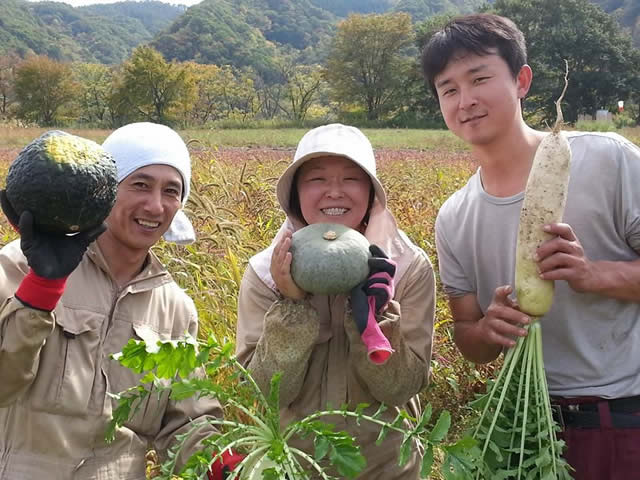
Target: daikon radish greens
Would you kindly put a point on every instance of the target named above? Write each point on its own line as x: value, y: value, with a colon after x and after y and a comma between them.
x: 252, y: 423
x: 516, y: 431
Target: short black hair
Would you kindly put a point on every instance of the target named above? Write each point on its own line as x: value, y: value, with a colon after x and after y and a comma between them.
x: 294, y: 198
x: 479, y: 34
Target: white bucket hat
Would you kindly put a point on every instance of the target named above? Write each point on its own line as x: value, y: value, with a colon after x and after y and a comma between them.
x: 349, y: 142
x: 333, y: 139
x: 140, y: 144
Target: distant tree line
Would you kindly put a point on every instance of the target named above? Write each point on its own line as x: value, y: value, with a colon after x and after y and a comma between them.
x: 370, y: 77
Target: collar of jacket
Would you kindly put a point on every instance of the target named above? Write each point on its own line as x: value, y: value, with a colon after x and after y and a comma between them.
x: 152, y: 275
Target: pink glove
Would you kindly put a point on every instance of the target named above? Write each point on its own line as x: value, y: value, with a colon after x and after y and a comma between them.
x: 369, y: 299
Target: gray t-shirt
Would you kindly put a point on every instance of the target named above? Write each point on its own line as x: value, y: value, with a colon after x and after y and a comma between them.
x: 591, y: 343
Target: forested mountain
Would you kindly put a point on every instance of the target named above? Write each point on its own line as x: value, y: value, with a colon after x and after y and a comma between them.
x: 246, y: 32
x: 342, y: 8
x: 153, y: 15
x: 238, y: 32
x: 96, y: 33
x: 627, y: 12
x: 422, y: 9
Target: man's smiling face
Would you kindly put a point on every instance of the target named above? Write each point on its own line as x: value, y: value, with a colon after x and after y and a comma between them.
x: 479, y: 97
x: 147, y: 201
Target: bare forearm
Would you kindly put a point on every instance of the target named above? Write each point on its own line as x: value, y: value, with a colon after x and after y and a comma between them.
x: 472, y: 342
x: 619, y: 280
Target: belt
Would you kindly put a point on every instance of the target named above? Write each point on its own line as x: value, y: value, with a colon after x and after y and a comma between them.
x: 621, y: 411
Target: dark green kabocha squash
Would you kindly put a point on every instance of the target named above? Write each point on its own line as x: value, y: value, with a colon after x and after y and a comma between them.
x: 68, y: 183
x: 329, y: 259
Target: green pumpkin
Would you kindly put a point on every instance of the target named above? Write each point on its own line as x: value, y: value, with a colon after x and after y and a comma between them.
x: 68, y: 183
x: 329, y: 259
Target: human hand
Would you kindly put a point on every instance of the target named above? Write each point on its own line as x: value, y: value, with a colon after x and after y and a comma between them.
x: 281, y: 269
x: 563, y: 258
x: 503, y: 321
x: 51, y: 256
x: 370, y: 298
x: 224, y: 465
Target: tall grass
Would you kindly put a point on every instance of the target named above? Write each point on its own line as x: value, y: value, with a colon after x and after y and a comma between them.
x: 18, y: 137
x: 381, y: 138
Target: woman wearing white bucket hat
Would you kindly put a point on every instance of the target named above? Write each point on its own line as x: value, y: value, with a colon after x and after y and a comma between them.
x: 315, y: 340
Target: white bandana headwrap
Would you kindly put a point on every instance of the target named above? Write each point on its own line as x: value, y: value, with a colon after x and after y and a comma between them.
x: 140, y: 144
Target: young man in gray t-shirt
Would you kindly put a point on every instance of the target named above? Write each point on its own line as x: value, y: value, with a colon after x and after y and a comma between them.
x: 476, y: 67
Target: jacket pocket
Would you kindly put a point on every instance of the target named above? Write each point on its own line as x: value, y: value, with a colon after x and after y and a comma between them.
x: 146, y: 416
x: 67, y: 368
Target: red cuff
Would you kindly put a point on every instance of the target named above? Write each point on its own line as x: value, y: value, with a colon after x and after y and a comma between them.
x: 40, y: 292
x: 226, y: 463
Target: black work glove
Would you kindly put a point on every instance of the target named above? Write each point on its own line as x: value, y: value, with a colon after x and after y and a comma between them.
x: 49, y: 255
x: 380, y: 282
x: 370, y: 298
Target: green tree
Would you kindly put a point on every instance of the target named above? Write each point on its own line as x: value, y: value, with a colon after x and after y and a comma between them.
x: 43, y: 88
x: 208, y: 106
x: 303, y: 82
x: 270, y: 96
x: 223, y: 93
x: 368, y: 61
x: 295, y: 90
x: 95, y: 83
x: 418, y: 98
x: 8, y: 65
x: 150, y: 88
x: 604, y: 67
x: 239, y: 94
x: 421, y: 9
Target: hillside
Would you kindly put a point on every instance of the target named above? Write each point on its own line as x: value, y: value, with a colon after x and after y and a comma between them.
x: 238, y: 32
x: 249, y: 32
x: 420, y: 10
x: 627, y: 12
x: 97, y: 33
x: 342, y: 8
x: 246, y: 32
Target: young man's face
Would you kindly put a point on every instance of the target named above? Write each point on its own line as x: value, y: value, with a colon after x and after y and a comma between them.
x: 146, y: 203
x: 480, y: 98
x: 333, y: 190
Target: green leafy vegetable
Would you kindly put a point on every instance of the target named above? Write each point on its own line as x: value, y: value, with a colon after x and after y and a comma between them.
x: 257, y: 430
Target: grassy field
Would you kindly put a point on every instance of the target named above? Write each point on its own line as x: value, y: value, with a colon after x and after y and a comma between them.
x: 274, y: 138
x: 397, y: 139
x: 235, y: 213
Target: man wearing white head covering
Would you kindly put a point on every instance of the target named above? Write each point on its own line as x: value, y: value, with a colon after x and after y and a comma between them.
x: 313, y: 340
x: 140, y: 144
x: 55, y: 349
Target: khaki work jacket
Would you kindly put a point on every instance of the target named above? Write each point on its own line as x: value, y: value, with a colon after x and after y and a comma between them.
x: 55, y: 373
x: 317, y: 348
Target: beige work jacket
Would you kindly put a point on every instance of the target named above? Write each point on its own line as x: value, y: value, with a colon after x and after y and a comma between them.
x: 55, y: 373
x: 317, y: 348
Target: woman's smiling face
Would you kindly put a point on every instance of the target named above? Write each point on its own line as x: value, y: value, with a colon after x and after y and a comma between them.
x: 333, y: 189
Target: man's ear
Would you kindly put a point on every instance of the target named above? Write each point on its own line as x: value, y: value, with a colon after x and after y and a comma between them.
x: 523, y: 80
